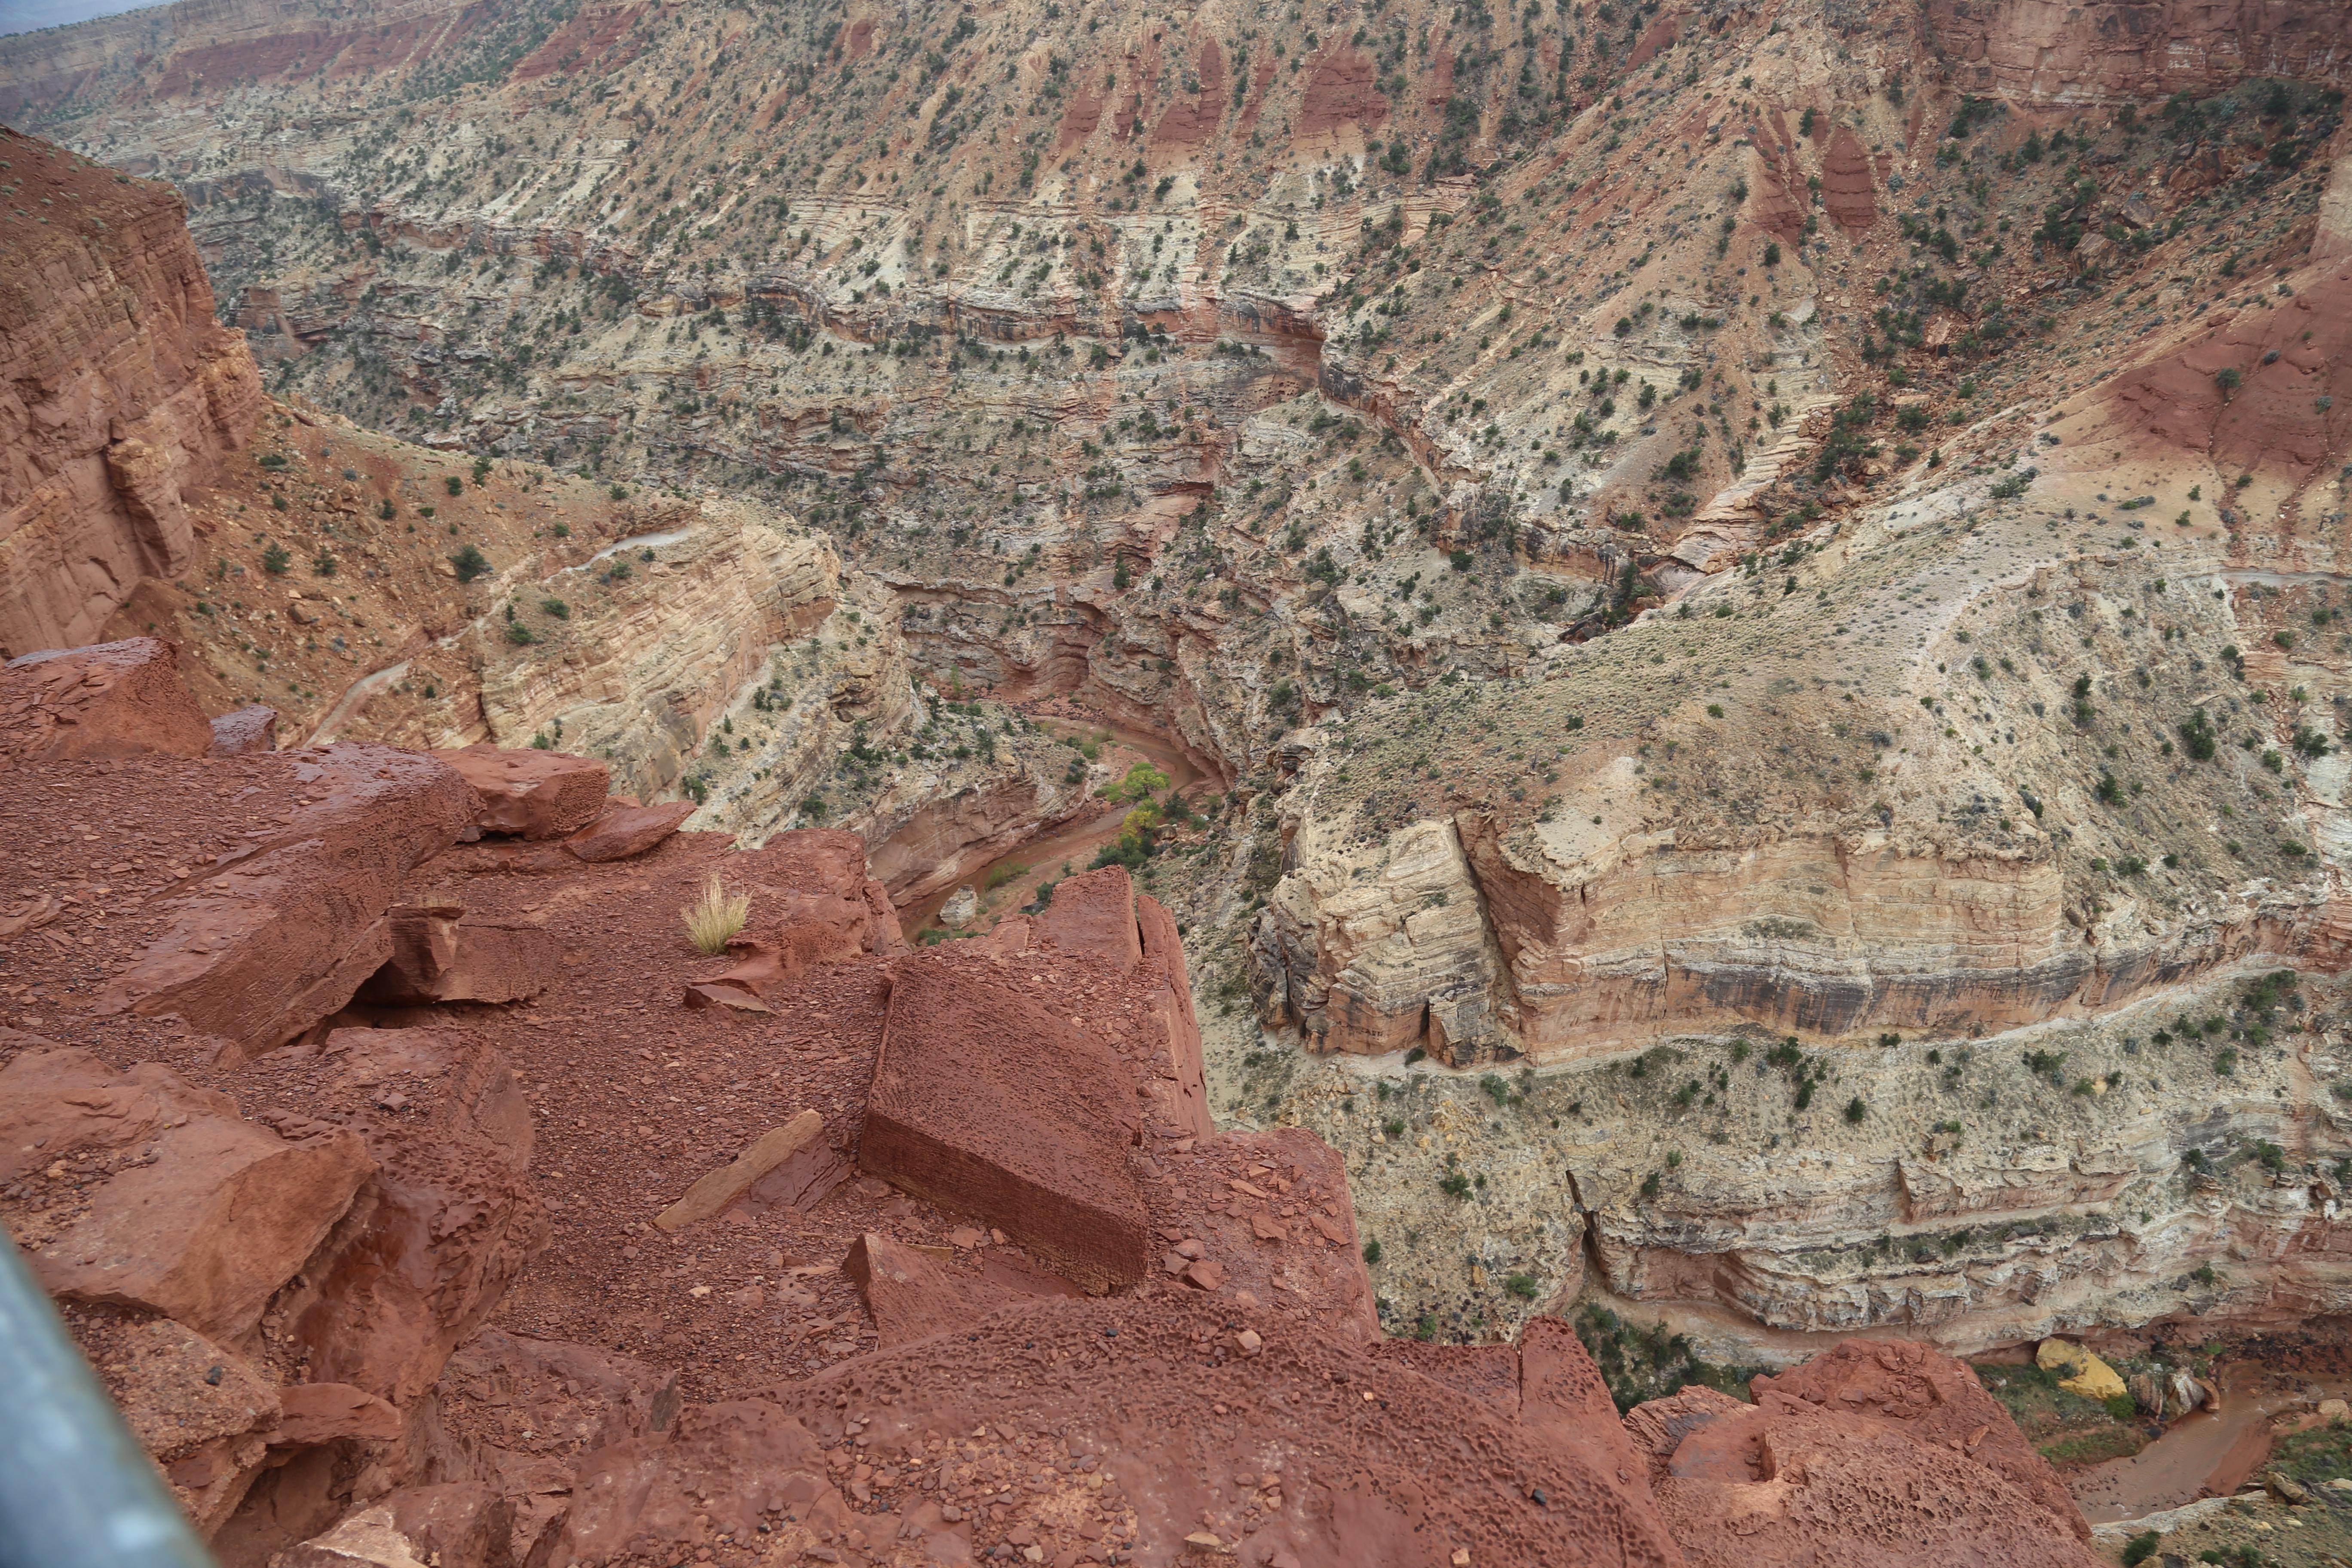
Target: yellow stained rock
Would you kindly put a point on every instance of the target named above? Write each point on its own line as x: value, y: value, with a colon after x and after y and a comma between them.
x: 2092, y: 1379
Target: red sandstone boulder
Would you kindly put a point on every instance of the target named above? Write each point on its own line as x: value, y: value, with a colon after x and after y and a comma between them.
x: 598, y: 1397
x: 113, y: 700
x: 1266, y: 1216
x: 1134, y: 1424
x: 284, y: 932
x: 196, y: 1213
x: 459, y: 1524
x: 449, y: 1222
x: 205, y: 1415
x: 244, y: 732
x: 315, y: 1413
x: 629, y: 830
x: 914, y: 1294
x: 440, y: 955
x: 984, y: 1102
x: 1094, y: 913
x: 532, y: 794
x: 1938, y: 1401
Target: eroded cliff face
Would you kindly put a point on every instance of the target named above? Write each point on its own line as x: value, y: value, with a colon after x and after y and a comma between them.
x: 1686, y: 525
x: 2111, y: 53
x: 122, y: 390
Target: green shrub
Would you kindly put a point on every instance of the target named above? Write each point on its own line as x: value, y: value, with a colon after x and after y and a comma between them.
x: 276, y: 559
x: 470, y: 563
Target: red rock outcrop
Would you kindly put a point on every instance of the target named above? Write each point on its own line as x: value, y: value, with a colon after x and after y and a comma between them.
x: 253, y: 728
x: 984, y: 1101
x: 1341, y: 90
x: 122, y: 388
x: 2280, y: 417
x: 283, y: 933
x: 1848, y: 193
x: 439, y: 955
x: 1937, y: 1401
x: 450, y: 1219
x: 531, y: 794
x: 114, y: 699
x: 2119, y: 50
x: 629, y: 830
x: 1229, y: 1395
x: 1872, y: 1452
x: 203, y: 1221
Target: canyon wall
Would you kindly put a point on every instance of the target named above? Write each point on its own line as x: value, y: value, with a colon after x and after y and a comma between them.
x: 125, y: 390
x: 2036, y: 50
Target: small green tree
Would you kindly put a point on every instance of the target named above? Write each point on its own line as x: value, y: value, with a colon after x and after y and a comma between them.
x: 1141, y: 782
x: 470, y: 563
x: 276, y: 560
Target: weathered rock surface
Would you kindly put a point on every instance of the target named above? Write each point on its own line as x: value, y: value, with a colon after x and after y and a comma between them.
x: 439, y: 955
x: 1738, y: 1483
x: 1934, y: 1400
x: 2111, y: 52
x: 1030, y: 1134
x: 124, y: 392
x: 204, y: 1221
x: 629, y: 830
x: 448, y: 1223
x: 253, y: 728
x: 463, y: 1525
x: 114, y: 699
x: 284, y: 931
x: 531, y: 794
x: 913, y: 1297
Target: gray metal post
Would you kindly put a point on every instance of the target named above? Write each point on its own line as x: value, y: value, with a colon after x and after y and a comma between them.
x: 76, y: 1489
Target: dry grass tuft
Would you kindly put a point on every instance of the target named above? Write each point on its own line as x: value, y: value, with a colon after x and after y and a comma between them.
x: 716, y: 916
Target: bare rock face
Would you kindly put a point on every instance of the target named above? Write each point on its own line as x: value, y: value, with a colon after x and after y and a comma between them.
x: 731, y: 1463
x: 114, y: 699
x: 2106, y: 52
x: 287, y: 932
x: 250, y: 728
x: 124, y: 391
x: 1379, y: 963
x: 1030, y: 1135
x: 1889, y: 1449
x: 439, y: 955
x: 1934, y: 1400
x: 912, y: 1297
x: 1128, y: 1459
x: 205, y: 1230
x: 629, y: 830
x: 452, y: 1219
x: 531, y: 794
x: 461, y: 1524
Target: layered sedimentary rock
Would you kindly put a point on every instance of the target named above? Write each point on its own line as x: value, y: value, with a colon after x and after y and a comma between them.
x: 124, y: 392
x: 309, y: 1363
x: 2111, y: 53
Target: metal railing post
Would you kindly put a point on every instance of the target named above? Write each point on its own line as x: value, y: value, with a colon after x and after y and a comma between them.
x: 76, y: 1488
